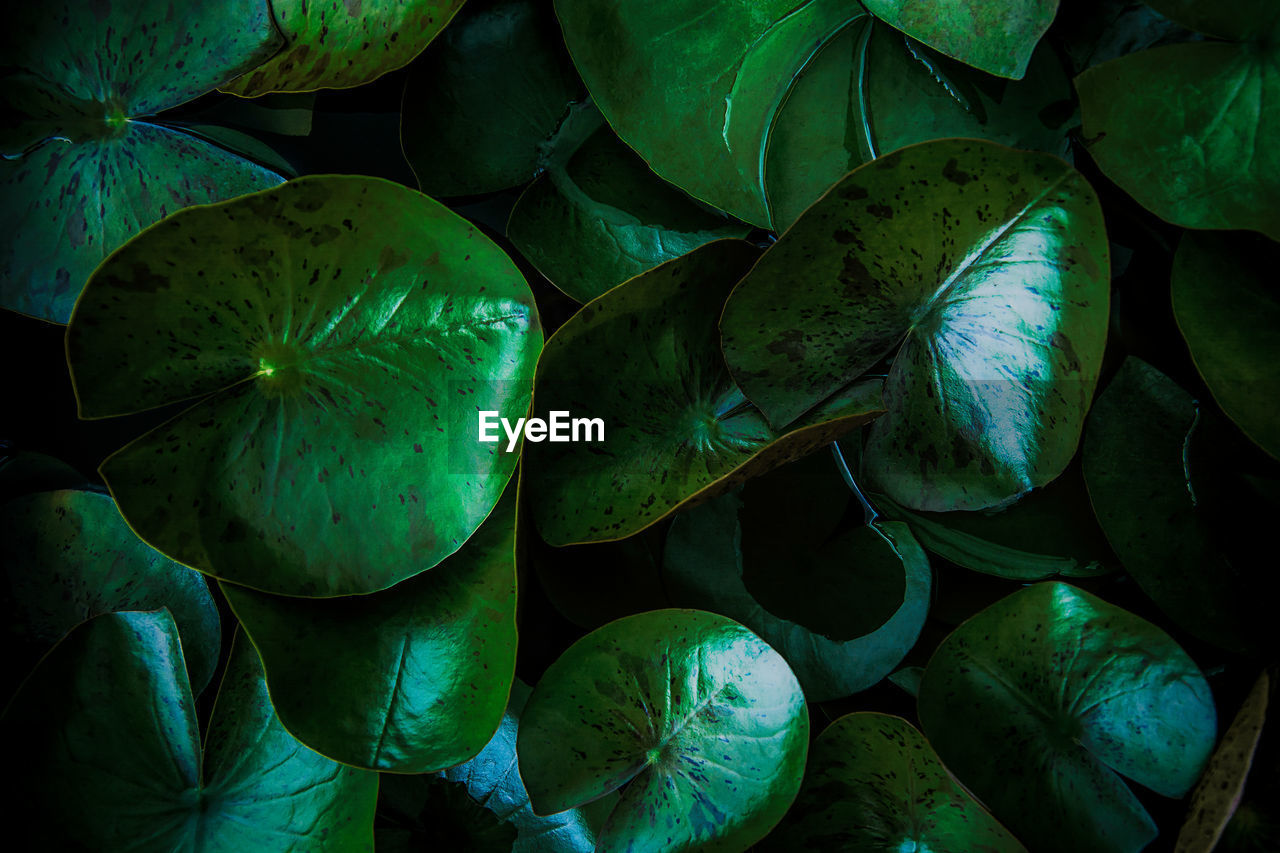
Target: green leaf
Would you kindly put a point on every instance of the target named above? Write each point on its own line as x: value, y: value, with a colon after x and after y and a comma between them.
x: 645, y: 358
x: 355, y: 329
x: 339, y: 44
x: 1225, y: 301
x: 599, y: 215
x: 694, y: 87
x: 1137, y: 464
x: 411, y: 679
x: 69, y: 556
x: 871, y: 90
x: 985, y: 269
x: 702, y: 722
x: 1043, y: 700
x: 996, y: 36
x: 485, y: 99
x: 106, y: 729
x: 86, y: 167
x: 841, y: 606
x: 875, y: 783
x: 1184, y: 128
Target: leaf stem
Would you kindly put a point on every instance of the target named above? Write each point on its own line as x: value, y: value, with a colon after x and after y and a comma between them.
x: 869, y: 513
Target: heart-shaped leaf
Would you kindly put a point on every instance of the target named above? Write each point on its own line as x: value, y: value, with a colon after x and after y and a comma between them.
x: 69, y: 556
x: 841, y: 606
x: 874, y: 783
x: 986, y: 269
x: 997, y: 36
x: 872, y: 90
x: 645, y: 359
x: 702, y: 722
x: 1064, y: 693
x: 694, y: 88
x: 86, y: 166
x: 341, y: 333
x: 1183, y: 128
x: 411, y: 679
x: 106, y: 729
x: 1228, y: 308
x: 338, y: 44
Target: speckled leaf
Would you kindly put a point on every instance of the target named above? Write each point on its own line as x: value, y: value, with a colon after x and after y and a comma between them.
x: 702, y: 722
x: 1185, y: 128
x: 69, y: 556
x: 871, y: 90
x: 694, y: 86
x: 341, y: 333
x: 1228, y: 308
x: 645, y: 358
x: 1041, y: 702
x: 1215, y: 799
x: 411, y: 679
x: 338, y: 44
x: 1137, y: 456
x: 106, y: 729
x: 988, y: 266
x: 484, y: 100
x: 842, y: 606
x: 996, y: 36
x: 874, y: 783
x: 86, y: 167
x: 599, y: 215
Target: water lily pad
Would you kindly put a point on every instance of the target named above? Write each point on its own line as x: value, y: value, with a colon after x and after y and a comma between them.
x: 411, y: 679
x: 702, y: 722
x: 1065, y: 693
x: 69, y: 556
x: 338, y: 44
x: 986, y: 269
x: 340, y: 334
x: 645, y: 358
x: 874, y: 783
x: 86, y: 165
x: 1228, y: 309
x: 106, y: 729
x: 1182, y: 127
x: 996, y: 36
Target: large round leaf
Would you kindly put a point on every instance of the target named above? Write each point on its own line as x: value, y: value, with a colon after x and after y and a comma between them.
x: 1228, y: 308
x: 989, y: 266
x: 841, y: 606
x: 995, y: 35
x: 342, y: 333
x: 1184, y: 128
x: 702, y: 722
x: 874, y: 783
x: 411, y: 679
x: 106, y: 731
x: 83, y: 170
x: 69, y: 556
x: 337, y: 44
x: 1043, y: 700
x: 693, y: 87
x: 645, y: 358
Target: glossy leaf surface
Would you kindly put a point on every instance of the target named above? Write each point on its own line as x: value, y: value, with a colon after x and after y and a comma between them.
x: 986, y: 269
x: 337, y: 44
x: 107, y: 729
x: 874, y: 783
x: 1061, y: 693
x: 702, y: 719
x: 85, y: 166
x: 1228, y: 309
x: 341, y: 333
x: 69, y: 556
x: 645, y: 358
